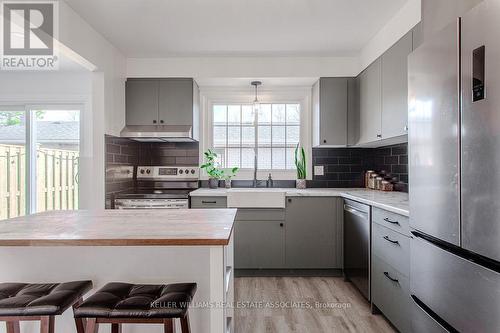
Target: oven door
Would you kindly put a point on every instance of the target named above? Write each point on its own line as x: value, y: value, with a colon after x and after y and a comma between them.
x: 151, y: 203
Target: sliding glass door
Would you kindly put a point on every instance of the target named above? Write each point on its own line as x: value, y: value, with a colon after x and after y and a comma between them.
x: 39, y: 159
x: 12, y: 162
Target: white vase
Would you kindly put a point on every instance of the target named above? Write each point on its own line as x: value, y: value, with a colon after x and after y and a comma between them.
x: 300, y: 184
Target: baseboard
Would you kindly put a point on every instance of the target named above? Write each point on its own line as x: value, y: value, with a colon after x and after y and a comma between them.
x: 287, y: 272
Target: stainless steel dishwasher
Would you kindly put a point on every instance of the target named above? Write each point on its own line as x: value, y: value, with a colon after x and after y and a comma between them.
x: 357, y: 245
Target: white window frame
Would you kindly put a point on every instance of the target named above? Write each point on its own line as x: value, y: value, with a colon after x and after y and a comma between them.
x: 210, y: 96
x: 30, y: 143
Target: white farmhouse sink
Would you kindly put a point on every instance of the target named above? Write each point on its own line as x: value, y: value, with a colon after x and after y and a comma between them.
x: 255, y: 198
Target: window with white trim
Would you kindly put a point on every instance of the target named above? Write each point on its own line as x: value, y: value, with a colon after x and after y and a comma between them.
x: 273, y: 132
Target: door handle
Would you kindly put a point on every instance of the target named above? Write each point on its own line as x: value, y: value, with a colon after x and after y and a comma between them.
x: 390, y: 221
x: 390, y: 240
x: 390, y: 278
x: 281, y: 224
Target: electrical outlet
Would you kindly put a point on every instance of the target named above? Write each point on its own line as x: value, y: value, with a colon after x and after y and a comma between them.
x: 319, y: 170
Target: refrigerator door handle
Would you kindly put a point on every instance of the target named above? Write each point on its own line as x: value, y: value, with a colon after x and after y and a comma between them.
x: 432, y: 314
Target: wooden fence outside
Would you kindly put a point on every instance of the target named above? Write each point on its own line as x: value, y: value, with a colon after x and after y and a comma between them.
x: 56, y: 180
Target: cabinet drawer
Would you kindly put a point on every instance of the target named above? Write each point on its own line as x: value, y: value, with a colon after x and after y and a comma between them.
x: 391, y: 220
x: 208, y: 202
x: 390, y: 293
x: 393, y: 247
x: 263, y: 214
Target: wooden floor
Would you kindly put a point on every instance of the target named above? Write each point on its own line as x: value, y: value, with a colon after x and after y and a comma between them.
x: 288, y: 304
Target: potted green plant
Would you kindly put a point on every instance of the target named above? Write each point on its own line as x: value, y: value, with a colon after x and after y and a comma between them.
x: 228, y: 174
x: 300, y: 164
x: 211, y: 166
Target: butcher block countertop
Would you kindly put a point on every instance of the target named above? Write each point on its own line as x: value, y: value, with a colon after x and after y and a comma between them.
x: 120, y: 228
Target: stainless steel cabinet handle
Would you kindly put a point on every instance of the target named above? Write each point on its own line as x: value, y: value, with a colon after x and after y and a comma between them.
x: 390, y: 221
x: 390, y: 240
x: 390, y: 278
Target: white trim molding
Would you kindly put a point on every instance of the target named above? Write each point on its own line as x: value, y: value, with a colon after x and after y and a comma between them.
x: 301, y: 95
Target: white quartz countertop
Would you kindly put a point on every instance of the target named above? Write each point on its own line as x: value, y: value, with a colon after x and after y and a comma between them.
x: 396, y: 202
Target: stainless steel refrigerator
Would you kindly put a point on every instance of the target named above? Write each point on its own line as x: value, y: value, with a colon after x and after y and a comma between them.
x: 454, y: 156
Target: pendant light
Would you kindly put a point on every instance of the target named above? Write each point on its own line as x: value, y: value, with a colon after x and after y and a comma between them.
x: 256, y: 103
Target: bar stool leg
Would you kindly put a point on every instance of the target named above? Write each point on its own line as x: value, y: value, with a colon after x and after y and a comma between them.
x: 185, y: 328
x: 169, y: 326
x: 13, y: 327
x: 92, y: 325
x: 79, y: 322
x: 116, y: 328
x: 47, y: 324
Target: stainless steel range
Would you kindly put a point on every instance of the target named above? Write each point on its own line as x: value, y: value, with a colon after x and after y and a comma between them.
x: 160, y: 187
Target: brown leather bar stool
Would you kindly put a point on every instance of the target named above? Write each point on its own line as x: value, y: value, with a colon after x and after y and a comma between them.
x: 124, y: 303
x: 40, y: 302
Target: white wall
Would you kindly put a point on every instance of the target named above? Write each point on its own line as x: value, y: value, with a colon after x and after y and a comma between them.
x: 407, y: 17
x: 108, y: 96
x: 234, y: 67
x: 102, y: 91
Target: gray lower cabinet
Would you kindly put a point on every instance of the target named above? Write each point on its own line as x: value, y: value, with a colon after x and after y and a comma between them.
x: 390, y: 267
x: 259, y: 239
x: 313, y: 234
x: 208, y: 202
x: 391, y: 293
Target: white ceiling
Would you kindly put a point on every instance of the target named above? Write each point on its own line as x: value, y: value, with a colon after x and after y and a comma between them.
x: 162, y: 28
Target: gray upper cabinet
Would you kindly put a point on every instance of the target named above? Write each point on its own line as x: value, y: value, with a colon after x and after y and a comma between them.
x: 330, y: 104
x: 313, y: 240
x: 169, y: 101
x: 353, y: 111
x: 395, y: 88
x: 418, y: 35
x: 176, y: 101
x: 141, y: 102
x: 370, y: 103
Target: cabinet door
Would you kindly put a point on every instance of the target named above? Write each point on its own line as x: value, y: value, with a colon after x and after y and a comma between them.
x: 395, y: 88
x: 141, y: 100
x: 176, y: 102
x: 259, y: 244
x: 352, y: 111
x: 333, y: 111
x: 418, y: 35
x: 311, y: 233
x: 370, y: 95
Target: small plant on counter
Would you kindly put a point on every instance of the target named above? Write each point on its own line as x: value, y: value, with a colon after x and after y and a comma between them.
x: 228, y: 174
x: 300, y: 164
x: 211, y: 166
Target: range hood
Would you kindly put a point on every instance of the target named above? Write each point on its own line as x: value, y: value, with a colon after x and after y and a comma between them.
x: 158, y: 133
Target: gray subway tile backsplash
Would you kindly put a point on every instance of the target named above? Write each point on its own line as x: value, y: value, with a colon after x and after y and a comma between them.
x: 345, y: 167
x: 123, y: 154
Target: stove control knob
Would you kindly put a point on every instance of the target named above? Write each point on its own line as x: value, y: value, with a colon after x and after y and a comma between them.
x: 192, y: 171
x: 187, y: 171
x: 142, y: 171
x: 181, y: 172
x: 148, y: 171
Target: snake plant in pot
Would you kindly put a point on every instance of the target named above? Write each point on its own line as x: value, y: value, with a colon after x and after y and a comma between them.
x: 300, y: 164
x: 211, y: 166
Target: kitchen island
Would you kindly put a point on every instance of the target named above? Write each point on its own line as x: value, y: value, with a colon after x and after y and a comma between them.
x: 136, y: 246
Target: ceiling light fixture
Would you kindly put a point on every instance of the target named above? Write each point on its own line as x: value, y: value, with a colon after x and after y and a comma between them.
x: 256, y: 103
